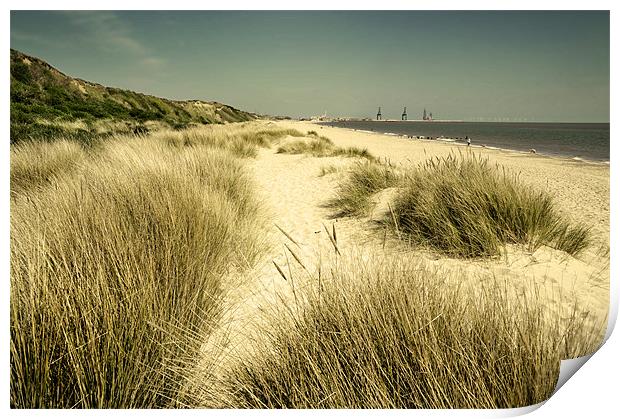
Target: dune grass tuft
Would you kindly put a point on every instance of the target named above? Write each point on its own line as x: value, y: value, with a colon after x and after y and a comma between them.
x: 35, y: 164
x: 321, y: 146
x: 392, y: 334
x: 241, y: 140
x: 116, y: 273
x: 462, y: 206
x: 353, y: 152
x: 315, y: 148
x: 329, y: 169
x: 353, y: 195
x: 315, y: 134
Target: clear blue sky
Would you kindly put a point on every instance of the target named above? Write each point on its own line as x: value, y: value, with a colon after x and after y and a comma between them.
x: 534, y: 66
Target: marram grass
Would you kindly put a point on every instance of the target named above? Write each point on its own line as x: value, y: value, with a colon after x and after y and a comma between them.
x: 353, y: 194
x: 117, y: 269
x: 320, y: 146
x: 35, y: 164
x: 388, y: 333
x: 460, y: 206
x: 119, y: 253
x: 463, y: 206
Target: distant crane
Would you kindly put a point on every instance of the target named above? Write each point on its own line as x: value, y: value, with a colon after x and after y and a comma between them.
x: 404, y: 115
x: 379, y: 114
x: 427, y: 117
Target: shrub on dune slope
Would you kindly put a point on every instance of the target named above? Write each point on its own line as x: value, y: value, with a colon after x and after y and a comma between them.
x: 364, y: 179
x: 242, y: 140
x: 315, y: 148
x: 320, y: 146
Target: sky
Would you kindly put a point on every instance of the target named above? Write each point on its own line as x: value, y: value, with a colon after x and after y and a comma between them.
x: 548, y: 66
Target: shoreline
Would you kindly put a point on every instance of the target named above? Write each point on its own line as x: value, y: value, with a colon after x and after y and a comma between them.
x: 459, y: 143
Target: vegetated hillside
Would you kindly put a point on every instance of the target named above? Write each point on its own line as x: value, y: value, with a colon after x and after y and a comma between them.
x: 47, y: 103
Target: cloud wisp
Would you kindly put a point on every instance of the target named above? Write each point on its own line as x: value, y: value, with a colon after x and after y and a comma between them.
x: 109, y: 32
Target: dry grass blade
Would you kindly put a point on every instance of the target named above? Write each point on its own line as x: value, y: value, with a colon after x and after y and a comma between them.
x: 395, y: 221
x: 279, y: 270
x: 288, y: 236
x: 297, y: 258
x: 332, y: 240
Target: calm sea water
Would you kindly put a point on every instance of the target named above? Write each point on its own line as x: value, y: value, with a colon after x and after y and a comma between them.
x: 572, y: 140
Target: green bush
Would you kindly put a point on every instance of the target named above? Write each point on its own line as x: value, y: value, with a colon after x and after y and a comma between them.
x: 21, y: 72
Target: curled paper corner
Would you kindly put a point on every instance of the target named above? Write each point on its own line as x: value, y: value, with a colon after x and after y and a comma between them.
x: 518, y: 411
x: 568, y: 368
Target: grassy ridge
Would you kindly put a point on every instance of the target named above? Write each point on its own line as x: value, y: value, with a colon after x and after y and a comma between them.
x: 43, y: 97
x: 117, y: 261
x: 388, y: 333
x: 242, y: 140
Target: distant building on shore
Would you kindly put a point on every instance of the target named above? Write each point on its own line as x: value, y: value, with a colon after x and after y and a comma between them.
x: 323, y: 117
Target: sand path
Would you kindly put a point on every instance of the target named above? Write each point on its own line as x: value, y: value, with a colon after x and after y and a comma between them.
x: 293, y: 196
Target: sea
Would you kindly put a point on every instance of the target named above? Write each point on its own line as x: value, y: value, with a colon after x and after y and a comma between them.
x: 577, y: 141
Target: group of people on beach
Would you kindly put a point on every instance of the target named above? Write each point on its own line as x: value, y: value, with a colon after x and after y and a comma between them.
x: 467, y: 139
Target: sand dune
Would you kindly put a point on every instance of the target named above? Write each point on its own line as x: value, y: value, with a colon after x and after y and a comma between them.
x: 295, y: 195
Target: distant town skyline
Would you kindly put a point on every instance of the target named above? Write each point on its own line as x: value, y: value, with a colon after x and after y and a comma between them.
x: 523, y: 66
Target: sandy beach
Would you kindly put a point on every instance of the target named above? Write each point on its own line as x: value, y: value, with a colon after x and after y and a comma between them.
x: 294, y: 192
x: 291, y: 242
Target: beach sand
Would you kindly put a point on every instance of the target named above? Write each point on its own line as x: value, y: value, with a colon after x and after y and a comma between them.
x: 294, y: 194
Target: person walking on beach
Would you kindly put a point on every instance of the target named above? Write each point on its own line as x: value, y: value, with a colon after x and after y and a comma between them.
x: 468, y: 140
